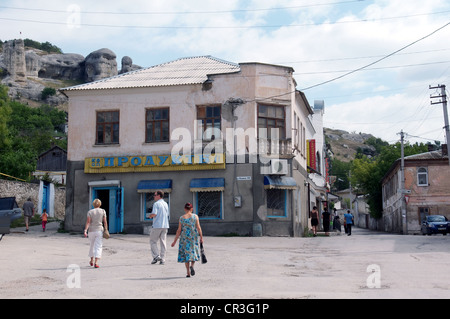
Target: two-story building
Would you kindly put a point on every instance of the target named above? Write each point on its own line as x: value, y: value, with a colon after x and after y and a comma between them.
x: 426, y: 192
x: 230, y: 138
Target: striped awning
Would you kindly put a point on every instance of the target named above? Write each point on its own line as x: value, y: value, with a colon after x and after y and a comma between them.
x: 207, y: 185
x: 279, y: 182
x: 153, y: 185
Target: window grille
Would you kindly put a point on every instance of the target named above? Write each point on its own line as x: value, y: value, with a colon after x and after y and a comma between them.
x: 209, y: 204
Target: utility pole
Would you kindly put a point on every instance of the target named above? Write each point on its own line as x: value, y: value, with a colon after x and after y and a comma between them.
x: 443, y: 101
x: 402, y: 183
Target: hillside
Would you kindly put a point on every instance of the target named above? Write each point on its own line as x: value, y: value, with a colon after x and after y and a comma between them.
x: 344, y: 145
x: 28, y: 70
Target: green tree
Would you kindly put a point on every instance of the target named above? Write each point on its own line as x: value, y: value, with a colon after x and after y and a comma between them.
x: 367, y: 174
x: 340, y: 169
x: 5, y: 112
x: 25, y: 133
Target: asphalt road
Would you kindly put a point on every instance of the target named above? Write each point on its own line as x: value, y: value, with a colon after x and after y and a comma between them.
x: 367, y: 264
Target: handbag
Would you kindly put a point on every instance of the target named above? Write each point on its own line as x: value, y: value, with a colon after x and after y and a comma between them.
x: 106, y: 234
x: 202, y: 252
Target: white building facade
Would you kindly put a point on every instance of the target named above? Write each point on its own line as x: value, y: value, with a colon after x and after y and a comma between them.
x: 229, y: 138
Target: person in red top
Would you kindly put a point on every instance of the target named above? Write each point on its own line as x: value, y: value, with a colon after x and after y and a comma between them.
x: 44, y: 218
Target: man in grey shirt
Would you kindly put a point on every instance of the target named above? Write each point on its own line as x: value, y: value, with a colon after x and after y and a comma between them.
x: 28, y: 211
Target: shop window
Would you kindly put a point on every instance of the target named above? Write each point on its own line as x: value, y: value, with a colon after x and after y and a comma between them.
x: 157, y: 125
x: 422, y: 176
x: 276, y: 202
x: 209, y: 205
x: 270, y: 116
x: 107, y: 127
x: 149, y: 201
x: 209, y: 127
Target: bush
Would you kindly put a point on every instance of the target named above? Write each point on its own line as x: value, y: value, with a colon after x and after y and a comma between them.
x: 47, y: 92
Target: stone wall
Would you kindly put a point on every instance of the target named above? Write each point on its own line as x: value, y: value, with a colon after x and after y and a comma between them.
x: 22, y: 191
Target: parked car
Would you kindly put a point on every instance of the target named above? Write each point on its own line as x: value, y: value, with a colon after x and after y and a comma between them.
x: 9, y: 211
x: 435, y: 224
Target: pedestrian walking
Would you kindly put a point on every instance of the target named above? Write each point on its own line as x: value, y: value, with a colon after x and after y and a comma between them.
x: 188, y: 232
x: 314, y: 220
x: 337, y: 223
x: 96, y: 223
x: 326, y: 222
x: 349, y: 222
x: 28, y: 212
x: 44, y: 218
x: 158, y: 233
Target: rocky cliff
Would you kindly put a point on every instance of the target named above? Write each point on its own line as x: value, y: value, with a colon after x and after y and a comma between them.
x: 27, y: 71
x: 343, y: 145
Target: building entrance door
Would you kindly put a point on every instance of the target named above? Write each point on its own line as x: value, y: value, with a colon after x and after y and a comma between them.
x: 111, y: 197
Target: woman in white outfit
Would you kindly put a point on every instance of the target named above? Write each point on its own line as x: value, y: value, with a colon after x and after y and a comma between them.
x: 96, y: 219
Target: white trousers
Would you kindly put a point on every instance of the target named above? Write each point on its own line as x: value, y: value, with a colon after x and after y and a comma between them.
x: 96, y: 240
x: 158, y: 234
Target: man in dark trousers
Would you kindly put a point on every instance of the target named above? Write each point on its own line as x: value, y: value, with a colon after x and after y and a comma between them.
x: 349, y: 221
x: 28, y: 211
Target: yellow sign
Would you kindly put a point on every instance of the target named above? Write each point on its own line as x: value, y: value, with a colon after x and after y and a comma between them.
x: 153, y: 163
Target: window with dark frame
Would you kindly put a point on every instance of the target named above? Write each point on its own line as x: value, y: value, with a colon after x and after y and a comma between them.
x: 157, y: 125
x: 272, y: 116
x: 210, y: 122
x: 149, y: 200
x: 276, y: 202
x: 107, y: 127
x: 209, y: 205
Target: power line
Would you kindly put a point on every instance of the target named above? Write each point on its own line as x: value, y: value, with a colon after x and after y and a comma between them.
x: 357, y: 58
x: 379, y: 68
x: 221, y: 27
x: 184, y: 12
x: 356, y: 70
x: 377, y: 61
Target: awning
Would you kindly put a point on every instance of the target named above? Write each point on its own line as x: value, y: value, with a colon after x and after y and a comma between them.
x: 153, y: 185
x: 279, y: 182
x: 207, y: 185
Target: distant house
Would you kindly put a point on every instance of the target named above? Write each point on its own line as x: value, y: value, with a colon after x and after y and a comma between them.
x: 427, y: 191
x: 51, y: 163
x: 54, y: 164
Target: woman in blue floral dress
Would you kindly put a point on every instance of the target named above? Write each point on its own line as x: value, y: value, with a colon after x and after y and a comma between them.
x: 188, y: 231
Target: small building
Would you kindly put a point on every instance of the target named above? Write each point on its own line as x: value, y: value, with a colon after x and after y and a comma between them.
x: 229, y: 138
x: 51, y: 171
x: 427, y: 191
x: 52, y: 163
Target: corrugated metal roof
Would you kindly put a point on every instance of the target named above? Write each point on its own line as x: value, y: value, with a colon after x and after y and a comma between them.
x: 427, y: 156
x: 183, y: 71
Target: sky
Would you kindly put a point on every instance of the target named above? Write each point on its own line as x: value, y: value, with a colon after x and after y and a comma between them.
x: 371, y: 62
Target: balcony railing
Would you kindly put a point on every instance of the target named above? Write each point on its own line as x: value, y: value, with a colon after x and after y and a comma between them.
x: 274, y: 147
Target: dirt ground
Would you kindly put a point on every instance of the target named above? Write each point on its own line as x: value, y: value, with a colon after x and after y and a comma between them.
x: 367, y: 264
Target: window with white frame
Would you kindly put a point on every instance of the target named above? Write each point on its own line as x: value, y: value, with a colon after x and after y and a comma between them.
x: 422, y: 176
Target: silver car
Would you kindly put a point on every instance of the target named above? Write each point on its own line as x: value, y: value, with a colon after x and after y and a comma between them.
x: 9, y: 211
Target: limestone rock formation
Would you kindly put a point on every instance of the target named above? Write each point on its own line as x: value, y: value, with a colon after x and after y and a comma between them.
x: 66, y: 66
x: 28, y: 72
x: 128, y: 66
x: 14, y: 59
x: 100, y: 64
